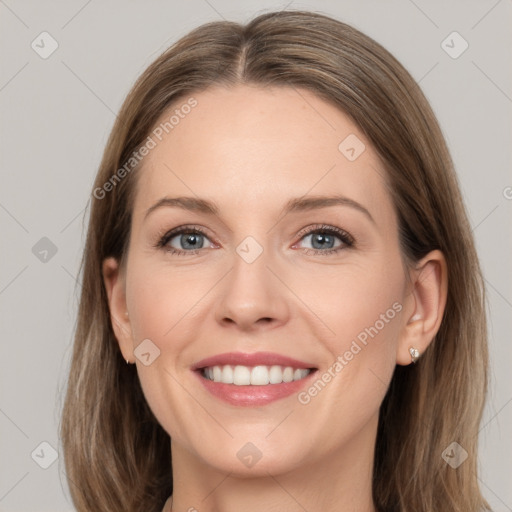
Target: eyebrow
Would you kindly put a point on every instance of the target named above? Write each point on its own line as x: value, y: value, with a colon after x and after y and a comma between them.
x: 293, y: 205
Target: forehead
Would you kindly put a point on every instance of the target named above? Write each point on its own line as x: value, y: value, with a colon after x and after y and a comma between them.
x: 251, y: 148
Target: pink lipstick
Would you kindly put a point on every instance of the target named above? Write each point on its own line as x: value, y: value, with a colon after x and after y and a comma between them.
x: 255, y: 379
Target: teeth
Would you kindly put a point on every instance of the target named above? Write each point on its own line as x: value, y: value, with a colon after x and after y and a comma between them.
x: 259, y: 376
x: 255, y: 376
x: 241, y: 376
x: 288, y: 374
x: 227, y: 375
x: 275, y: 375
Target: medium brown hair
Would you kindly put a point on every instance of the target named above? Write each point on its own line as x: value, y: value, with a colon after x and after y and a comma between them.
x: 116, y: 452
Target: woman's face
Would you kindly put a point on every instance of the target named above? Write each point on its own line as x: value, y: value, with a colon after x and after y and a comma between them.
x: 276, y: 270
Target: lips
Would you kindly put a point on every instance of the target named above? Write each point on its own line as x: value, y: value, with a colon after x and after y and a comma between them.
x: 254, y: 359
x: 243, y: 392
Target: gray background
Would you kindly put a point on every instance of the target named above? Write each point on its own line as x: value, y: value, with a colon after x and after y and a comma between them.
x: 56, y: 116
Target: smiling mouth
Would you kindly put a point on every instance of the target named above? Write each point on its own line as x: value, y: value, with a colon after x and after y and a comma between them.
x: 240, y: 375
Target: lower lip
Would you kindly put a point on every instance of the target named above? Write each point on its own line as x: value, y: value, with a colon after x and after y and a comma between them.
x: 253, y: 395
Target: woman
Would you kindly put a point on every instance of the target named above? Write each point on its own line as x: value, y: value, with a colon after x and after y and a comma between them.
x: 279, y: 250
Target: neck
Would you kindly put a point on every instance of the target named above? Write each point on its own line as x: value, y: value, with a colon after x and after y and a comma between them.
x: 341, y: 481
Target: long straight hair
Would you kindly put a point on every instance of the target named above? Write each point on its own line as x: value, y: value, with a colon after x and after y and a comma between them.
x: 116, y: 453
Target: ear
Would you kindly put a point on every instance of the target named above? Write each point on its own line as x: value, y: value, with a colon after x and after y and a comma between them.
x: 114, y: 280
x: 425, y: 308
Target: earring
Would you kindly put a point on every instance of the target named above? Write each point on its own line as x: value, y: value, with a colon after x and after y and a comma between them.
x: 127, y: 361
x: 415, y: 354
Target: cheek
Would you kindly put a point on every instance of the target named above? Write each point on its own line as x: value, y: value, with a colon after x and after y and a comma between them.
x: 363, y: 307
x: 369, y: 313
x: 160, y: 299
x: 160, y: 306
x: 359, y: 303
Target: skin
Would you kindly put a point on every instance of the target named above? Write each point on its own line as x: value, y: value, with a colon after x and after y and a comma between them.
x: 250, y: 150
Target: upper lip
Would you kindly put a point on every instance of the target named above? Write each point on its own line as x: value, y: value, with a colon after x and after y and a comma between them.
x: 250, y: 359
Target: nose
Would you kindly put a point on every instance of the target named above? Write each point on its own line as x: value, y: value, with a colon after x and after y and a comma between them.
x: 252, y: 296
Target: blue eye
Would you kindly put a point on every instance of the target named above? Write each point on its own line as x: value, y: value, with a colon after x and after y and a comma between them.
x: 323, y: 237
x: 190, y: 240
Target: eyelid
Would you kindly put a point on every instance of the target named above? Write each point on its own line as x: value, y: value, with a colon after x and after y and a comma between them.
x: 341, y: 233
x: 166, y: 236
x: 346, y: 238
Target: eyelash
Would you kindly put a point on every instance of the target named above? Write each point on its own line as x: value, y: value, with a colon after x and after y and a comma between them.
x: 324, y: 229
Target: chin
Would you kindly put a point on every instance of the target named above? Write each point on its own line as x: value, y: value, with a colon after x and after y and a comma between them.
x: 249, y: 459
